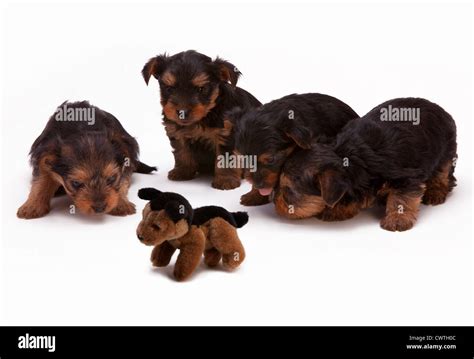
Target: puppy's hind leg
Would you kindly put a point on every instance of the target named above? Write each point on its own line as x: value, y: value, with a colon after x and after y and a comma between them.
x: 224, y: 238
x: 37, y: 205
x: 438, y: 186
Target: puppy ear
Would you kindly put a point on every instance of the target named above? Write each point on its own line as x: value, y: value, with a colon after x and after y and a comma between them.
x: 298, y: 133
x: 155, y: 66
x: 148, y: 194
x: 333, y: 186
x: 176, y: 210
x: 227, y: 71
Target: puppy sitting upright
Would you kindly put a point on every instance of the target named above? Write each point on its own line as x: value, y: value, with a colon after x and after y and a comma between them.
x: 273, y: 131
x: 403, y: 153
x: 195, y: 93
x: 86, y: 153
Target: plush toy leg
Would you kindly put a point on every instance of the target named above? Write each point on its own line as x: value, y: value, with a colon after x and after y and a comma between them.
x: 212, y: 257
x: 191, y: 250
x: 224, y: 238
x: 161, y: 254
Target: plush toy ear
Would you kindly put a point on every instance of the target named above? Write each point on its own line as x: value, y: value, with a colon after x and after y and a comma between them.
x: 333, y: 186
x: 155, y: 66
x: 148, y: 194
x: 227, y: 71
x: 298, y: 133
x: 176, y: 210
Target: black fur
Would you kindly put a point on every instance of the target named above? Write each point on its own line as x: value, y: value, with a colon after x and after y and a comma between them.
x: 105, y: 139
x: 399, y: 154
x: 270, y: 129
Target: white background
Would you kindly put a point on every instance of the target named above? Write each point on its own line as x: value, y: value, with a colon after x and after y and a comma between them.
x: 65, y: 269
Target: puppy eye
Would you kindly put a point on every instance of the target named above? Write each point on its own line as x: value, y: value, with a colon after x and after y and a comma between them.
x: 156, y: 227
x: 111, y: 180
x: 200, y: 89
x: 271, y: 160
x: 77, y: 184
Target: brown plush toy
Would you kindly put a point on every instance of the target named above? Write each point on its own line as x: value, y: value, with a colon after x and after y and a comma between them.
x: 169, y: 223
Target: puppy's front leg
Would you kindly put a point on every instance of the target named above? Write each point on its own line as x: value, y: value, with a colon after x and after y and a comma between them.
x: 124, y: 207
x: 254, y: 198
x: 227, y: 175
x: 37, y: 205
x: 401, y: 210
x: 185, y: 165
x: 191, y: 250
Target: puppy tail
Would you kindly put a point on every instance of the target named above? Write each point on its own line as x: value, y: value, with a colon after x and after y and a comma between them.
x: 143, y: 168
x: 241, y: 218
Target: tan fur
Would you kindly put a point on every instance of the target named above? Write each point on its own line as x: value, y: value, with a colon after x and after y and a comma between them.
x: 438, y: 187
x: 200, y: 80
x: 401, y: 210
x: 216, y: 239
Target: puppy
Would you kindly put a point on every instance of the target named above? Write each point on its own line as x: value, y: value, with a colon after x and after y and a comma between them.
x: 276, y: 129
x: 87, y: 154
x: 402, y: 153
x: 169, y: 223
x: 195, y: 93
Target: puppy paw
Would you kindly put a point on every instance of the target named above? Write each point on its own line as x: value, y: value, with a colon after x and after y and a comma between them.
x: 225, y: 183
x: 397, y: 223
x: 30, y: 211
x: 181, y: 175
x: 124, y: 208
x: 434, y: 197
x: 254, y: 199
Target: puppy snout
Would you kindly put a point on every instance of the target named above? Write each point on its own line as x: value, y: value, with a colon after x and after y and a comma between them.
x: 99, y: 207
x: 182, y: 113
x: 140, y: 238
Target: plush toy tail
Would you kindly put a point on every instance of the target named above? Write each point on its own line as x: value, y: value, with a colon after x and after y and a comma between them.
x: 241, y: 218
x: 143, y: 168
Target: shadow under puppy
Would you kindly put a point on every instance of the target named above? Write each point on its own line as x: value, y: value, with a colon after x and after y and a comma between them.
x: 273, y: 131
x: 402, y: 153
x: 169, y: 223
x: 195, y: 93
x: 87, y: 154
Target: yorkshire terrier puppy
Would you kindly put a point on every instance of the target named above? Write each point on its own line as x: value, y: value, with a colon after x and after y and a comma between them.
x: 196, y: 91
x: 87, y: 154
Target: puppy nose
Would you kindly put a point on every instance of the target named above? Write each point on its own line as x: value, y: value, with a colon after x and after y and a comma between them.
x: 99, y: 207
x: 139, y: 237
x: 182, y: 113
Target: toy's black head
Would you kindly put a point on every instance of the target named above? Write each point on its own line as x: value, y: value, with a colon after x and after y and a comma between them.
x: 189, y: 83
x: 271, y: 137
x: 167, y: 216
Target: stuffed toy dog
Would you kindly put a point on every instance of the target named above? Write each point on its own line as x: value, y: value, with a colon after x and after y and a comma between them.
x: 169, y: 223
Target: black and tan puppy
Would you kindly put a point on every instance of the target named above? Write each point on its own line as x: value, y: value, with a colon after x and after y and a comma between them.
x: 169, y: 223
x: 273, y: 131
x: 402, y: 153
x: 86, y: 153
x: 195, y: 93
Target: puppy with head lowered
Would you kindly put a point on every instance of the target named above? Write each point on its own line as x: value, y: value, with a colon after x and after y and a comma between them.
x: 195, y: 93
x: 273, y: 131
x: 402, y: 153
x: 87, y: 154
